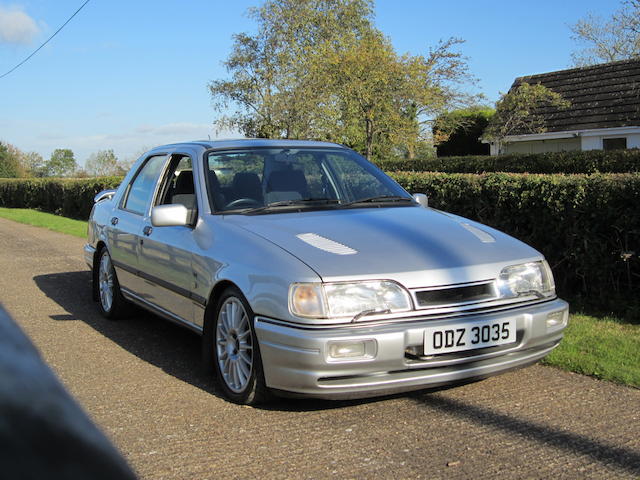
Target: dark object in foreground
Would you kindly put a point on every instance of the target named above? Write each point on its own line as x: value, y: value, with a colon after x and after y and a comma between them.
x: 43, y: 431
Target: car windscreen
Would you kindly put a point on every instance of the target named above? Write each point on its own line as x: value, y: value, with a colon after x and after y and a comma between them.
x: 270, y: 179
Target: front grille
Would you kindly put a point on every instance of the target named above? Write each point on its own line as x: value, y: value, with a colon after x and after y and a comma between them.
x: 455, y: 295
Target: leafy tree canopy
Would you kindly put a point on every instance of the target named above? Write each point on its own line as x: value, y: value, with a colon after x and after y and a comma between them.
x: 10, y: 166
x: 102, y: 164
x: 458, y: 132
x: 34, y: 164
x: 518, y: 111
x: 62, y: 163
x: 320, y: 69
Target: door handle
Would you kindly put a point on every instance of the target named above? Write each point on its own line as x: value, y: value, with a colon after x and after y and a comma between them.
x: 147, y: 230
x: 114, y: 221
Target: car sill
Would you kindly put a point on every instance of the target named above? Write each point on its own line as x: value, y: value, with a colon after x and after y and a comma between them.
x: 160, y: 311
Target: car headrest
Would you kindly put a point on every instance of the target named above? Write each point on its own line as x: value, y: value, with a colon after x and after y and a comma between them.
x: 288, y: 181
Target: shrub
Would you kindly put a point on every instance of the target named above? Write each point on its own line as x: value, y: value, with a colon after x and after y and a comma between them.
x: 586, y: 225
x: 458, y: 132
x: 593, y: 161
x: 69, y: 197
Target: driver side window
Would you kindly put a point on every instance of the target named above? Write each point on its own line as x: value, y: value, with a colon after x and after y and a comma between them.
x: 178, y: 185
x: 141, y: 189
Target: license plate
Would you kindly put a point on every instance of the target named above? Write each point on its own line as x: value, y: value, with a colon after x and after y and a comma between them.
x: 468, y: 336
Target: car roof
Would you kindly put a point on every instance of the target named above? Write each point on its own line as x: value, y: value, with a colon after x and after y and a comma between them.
x: 252, y: 142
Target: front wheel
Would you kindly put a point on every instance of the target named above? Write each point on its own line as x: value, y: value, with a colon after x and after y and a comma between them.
x: 235, y: 351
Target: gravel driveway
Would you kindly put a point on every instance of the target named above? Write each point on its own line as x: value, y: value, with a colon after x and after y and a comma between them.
x: 140, y: 380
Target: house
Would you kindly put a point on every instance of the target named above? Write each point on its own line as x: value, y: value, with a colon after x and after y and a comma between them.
x: 604, y: 112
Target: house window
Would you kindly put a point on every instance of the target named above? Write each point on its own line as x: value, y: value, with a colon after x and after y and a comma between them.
x: 614, y: 143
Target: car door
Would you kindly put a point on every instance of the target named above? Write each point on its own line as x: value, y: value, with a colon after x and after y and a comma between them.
x: 165, y: 253
x: 127, y: 220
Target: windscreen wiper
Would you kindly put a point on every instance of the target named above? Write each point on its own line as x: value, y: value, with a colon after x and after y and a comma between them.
x: 380, y: 199
x: 300, y: 202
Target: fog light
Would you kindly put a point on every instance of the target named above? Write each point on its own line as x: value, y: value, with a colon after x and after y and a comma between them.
x: 555, y: 320
x: 351, y: 350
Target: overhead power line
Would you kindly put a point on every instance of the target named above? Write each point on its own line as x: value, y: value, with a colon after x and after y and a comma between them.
x: 47, y: 41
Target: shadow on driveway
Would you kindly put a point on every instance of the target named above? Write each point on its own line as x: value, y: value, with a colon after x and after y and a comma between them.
x: 174, y: 349
x: 620, y: 457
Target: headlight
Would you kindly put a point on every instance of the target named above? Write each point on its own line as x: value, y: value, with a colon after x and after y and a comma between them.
x: 534, y: 278
x: 335, y: 300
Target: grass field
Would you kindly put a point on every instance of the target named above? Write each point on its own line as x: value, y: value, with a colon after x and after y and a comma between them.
x: 57, y: 223
x: 601, y: 347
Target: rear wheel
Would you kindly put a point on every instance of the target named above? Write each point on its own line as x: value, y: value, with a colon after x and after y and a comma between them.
x: 110, y: 300
x: 234, y: 351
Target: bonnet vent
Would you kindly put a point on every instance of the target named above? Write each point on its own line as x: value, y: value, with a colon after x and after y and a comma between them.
x: 326, y: 244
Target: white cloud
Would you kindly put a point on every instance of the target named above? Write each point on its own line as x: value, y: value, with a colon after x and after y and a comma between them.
x: 16, y: 26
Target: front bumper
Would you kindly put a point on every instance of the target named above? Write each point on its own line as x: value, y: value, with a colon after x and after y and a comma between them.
x: 296, y: 359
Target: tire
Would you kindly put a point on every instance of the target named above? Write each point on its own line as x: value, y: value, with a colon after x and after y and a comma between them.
x: 231, y: 350
x: 111, y: 303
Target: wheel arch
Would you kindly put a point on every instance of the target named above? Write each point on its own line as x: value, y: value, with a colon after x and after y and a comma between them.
x: 94, y: 271
x: 215, y: 293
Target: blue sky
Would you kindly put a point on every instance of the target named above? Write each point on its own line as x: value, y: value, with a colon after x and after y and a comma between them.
x: 132, y: 74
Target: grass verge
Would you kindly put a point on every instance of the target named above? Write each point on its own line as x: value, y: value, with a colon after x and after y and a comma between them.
x: 57, y: 223
x: 601, y: 347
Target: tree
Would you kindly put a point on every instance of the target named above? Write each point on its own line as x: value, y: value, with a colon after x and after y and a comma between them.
x: 270, y: 71
x: 386, y: 100
x: 608, y: 40
x: 458, y: 132
x: 518, y: 111
x: 10, y: 166
x: 126, y: 163
x: 102, y: 164
x: 320, y: 69
x: 34, y: 164
x: 61, y: 164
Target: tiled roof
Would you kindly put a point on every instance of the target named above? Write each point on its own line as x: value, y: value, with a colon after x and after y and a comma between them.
x: 601, y: 96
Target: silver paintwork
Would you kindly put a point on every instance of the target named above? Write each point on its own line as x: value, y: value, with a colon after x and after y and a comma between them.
x: 420, y: 248
x: 104, y: 195
x: 422, y: 199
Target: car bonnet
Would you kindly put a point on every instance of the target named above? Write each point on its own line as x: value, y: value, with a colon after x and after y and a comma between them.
x: 413, y: 245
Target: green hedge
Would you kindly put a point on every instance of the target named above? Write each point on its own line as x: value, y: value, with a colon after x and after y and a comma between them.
x: 68, y: 197
x: 594, y: 161
x: 587, y: 226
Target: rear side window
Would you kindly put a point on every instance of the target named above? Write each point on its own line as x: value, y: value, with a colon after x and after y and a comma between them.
x: 143, y: 185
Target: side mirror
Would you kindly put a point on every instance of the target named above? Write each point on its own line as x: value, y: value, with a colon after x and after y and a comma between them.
x: 174, y: 215
x: 422, y: 199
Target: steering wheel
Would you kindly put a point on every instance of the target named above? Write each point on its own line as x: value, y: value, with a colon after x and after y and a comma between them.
x: 243, y: 202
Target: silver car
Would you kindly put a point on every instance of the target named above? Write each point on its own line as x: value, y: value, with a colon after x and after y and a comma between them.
x: 309, y: 272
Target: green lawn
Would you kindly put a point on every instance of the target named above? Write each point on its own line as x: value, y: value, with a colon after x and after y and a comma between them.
x: 601, y: 347
x: 57, y: 223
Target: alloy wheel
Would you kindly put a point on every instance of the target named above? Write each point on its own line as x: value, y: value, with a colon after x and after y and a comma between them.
x: 105, y: 282
x: 234, y: 346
